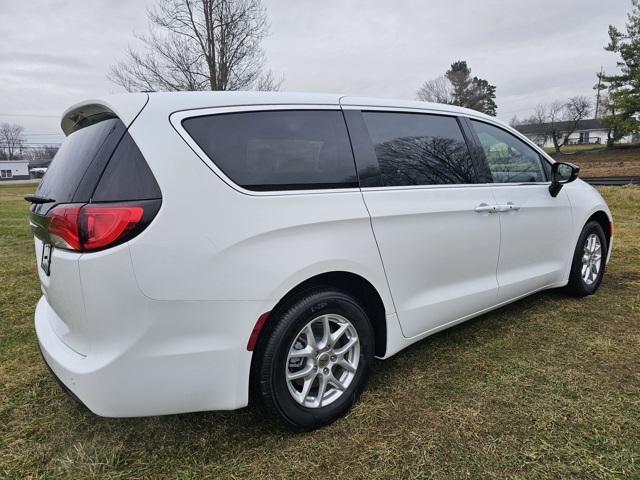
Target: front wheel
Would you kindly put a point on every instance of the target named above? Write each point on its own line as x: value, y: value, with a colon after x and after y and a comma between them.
x: 589, y: 261
x: 315, y: 362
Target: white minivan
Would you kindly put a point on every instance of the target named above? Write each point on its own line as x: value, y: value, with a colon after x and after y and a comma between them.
x: 197, y: 249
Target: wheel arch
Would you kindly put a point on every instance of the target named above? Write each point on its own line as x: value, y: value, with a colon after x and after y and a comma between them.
x: 605, y: 222
x: 352, y: 283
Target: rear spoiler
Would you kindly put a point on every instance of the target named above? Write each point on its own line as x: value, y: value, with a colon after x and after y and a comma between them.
x: 125, y: 106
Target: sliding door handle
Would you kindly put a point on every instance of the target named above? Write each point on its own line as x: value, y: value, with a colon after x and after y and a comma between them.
x: 508, y: 207
x: 485, y: 208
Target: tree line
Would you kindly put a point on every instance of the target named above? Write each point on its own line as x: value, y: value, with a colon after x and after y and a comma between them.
x: 557, y: 120
x: 618, y: 105
x: 12, y: 145
x: 216, y: 45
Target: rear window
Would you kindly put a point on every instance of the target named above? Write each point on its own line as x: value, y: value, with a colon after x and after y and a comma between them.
x: 278, y: 150
x: 419, y: 149
x: 80, y: 160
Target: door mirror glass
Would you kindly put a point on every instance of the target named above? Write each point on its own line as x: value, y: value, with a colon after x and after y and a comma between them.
x: 561, y: 173
x: 567, y: 172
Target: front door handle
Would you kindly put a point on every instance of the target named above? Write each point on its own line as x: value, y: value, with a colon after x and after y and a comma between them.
x: 508, y: 207
x: 485, y: 208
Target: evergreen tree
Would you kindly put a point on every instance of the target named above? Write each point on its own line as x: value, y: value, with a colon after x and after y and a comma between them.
x: 623, y: 89
x: 485, y: 96
x: 460, y: 77
x: 475, y: 93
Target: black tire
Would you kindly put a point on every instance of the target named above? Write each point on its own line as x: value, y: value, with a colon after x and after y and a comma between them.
x: 269, y: 382
x: 577, y: 285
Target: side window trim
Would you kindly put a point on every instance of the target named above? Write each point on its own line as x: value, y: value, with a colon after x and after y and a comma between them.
x: 481, y: 153
x: 477, y: 153
x: 367, y: 166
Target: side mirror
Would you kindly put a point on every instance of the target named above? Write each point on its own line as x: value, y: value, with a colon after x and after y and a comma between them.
x: 561, y: 173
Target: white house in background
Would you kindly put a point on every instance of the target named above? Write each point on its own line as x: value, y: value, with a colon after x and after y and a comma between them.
x: 591, y: 131
x: 14, y: 170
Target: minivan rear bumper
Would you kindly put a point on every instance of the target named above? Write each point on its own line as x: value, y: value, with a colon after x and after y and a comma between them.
x: 198, y: 361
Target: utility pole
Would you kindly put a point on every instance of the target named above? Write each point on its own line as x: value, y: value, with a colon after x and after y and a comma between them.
x: 598, y: 88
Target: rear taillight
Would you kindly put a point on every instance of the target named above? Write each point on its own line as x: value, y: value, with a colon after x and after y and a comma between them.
x: 100, y: 226
x: 63, y: 227
x: 92, y: 227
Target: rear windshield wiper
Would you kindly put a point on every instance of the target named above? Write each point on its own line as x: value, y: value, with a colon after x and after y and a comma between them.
x: 37, y: 199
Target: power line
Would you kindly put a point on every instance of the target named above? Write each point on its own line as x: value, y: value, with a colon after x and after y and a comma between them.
x: 40, y: 115
x: 38, y: 148
x: 29, y: 134
x: 598, y: 88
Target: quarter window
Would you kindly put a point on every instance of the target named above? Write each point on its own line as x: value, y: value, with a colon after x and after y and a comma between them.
x: 278, y: 150
x: 509, y: 158
x: 419, y: 149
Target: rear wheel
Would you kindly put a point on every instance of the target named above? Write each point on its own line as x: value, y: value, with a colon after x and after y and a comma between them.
x: 314, y: 364
x: 589, y: 261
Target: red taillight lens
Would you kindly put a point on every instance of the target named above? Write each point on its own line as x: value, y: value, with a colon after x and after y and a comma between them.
x: 63, y: 227
x: 91, y: 227
x: 102, y: 226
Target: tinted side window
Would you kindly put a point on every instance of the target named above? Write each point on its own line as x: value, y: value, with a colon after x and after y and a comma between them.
x: 278, y: 150
x: 419, y: 149
x: 127, y: 176
x: 510, y: 159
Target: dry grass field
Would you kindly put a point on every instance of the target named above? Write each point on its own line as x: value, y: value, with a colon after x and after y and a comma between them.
x: 548, y: 387
x: 621, y: 162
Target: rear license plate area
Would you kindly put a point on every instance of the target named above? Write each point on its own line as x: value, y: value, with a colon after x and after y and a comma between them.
x: 45, y: 261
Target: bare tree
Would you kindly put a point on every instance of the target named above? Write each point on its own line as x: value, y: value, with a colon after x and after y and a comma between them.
x: 11, y: 140
x: 539, y: 114
x: 564, y: 119
x: 199, y: 45
x: 559, y: 120
x: 555, y: 115
x: 268, y: 83
x: 576, y: 109
x: 416, y: 160
x: 438, y: 90
x: 46, y: 152
x: 539, y: 119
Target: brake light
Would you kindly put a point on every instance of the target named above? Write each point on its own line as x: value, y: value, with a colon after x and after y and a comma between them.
x: 63, y: 227
x: 91, y: 227
x: 104, y: 225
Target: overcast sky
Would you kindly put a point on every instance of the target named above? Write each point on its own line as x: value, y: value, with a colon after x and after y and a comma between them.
x: 56, y: 52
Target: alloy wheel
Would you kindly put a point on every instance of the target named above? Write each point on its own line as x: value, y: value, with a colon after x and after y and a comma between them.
x: 591, y: 259
x: 322, y: 361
